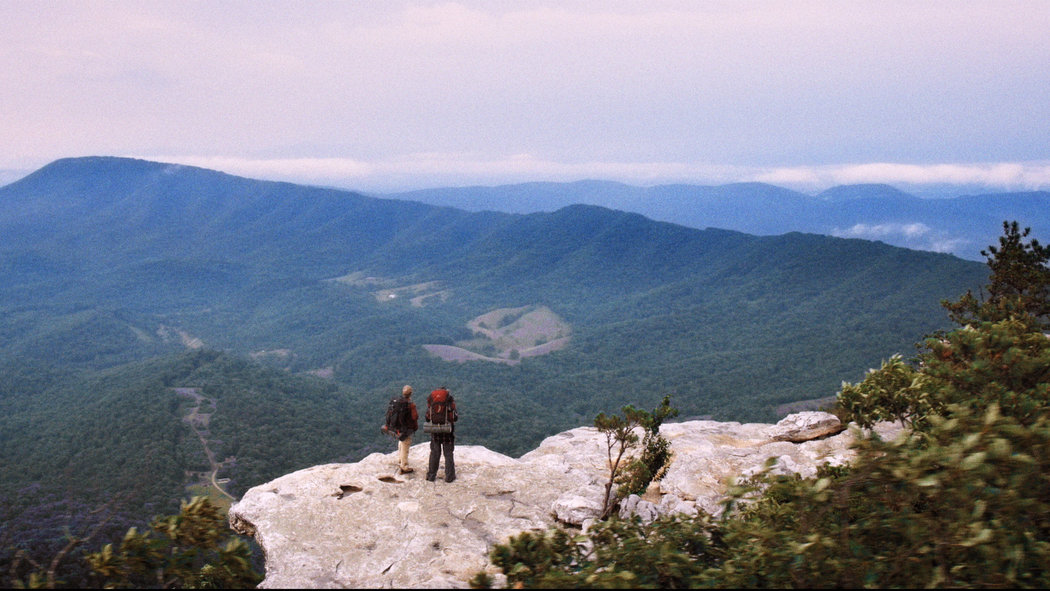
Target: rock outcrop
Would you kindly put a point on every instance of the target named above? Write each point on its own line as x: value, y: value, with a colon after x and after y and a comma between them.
x: 364, y: 525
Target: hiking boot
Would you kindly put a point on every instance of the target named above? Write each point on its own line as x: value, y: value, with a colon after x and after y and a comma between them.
x: 405, y: 470
x: 430, y: 479
x: 450, y: 479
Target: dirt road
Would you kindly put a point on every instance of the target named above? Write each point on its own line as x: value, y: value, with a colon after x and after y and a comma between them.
x: 198, y: 421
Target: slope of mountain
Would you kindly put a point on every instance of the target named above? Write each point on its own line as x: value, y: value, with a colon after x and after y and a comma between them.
x: 149, y: 257
x: 300, y: 310
x: 962, y: 225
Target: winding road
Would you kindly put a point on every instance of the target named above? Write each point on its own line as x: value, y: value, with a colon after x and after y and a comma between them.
x: 198, y: 421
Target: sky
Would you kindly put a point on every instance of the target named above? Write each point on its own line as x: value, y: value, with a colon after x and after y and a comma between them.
x: 395, y: 95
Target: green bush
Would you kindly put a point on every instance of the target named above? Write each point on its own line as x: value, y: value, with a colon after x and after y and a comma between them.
x: 886, y: 394
x: 633, y: 474
x: 193, y: 549
x: 669, y: 553
x: 968, y: 506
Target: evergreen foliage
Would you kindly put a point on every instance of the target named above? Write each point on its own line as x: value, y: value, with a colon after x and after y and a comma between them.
x: 1005, y: 363
x: 1000, y: 355
x: 655, y: 455
x: 1019, y: 282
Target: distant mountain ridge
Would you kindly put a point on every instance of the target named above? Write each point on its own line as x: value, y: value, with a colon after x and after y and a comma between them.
x: 963, y: 225
x: 844, y: 193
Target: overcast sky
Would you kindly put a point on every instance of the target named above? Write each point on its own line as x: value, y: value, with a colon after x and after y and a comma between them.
x: 388, y: 95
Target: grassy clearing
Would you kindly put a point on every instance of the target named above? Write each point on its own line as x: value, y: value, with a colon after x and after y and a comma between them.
x: 214, y: 495
x: 507, y: 335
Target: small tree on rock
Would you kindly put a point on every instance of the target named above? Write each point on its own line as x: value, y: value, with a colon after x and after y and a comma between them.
x: 656, y: 452
x: 620, y: 437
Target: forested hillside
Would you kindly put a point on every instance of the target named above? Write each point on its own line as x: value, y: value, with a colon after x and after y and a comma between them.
x: 299, y: 311
x: 111, y: 261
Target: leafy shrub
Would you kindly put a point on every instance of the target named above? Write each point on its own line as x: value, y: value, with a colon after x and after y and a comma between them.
x: 886, y: 394
x: 669, y: 553
x: 969, y: 507
x: 194, y: 549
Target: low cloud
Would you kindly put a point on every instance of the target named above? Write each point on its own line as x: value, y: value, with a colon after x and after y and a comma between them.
x: 876, y: 231
x: 953, y: 245
x: 455, y: 169
x: 282, y: 168
x: 1006, y: 175
x: 441, y: 169
x: 915, y: 235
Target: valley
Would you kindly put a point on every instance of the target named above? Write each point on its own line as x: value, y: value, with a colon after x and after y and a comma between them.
x: 191, y: 307
x: 358, y: 292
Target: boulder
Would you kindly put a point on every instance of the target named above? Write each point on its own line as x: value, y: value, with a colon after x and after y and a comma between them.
x: 806, y: 426
x: 636, y: 505
x: 577, y: 506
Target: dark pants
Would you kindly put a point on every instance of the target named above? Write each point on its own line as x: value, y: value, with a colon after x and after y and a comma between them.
x: 438, y: 445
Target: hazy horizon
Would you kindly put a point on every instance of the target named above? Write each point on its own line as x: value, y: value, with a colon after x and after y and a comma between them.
x: 405, y: 95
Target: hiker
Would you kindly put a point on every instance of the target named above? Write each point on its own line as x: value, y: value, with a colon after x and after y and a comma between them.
x: 402, y: 420
x: 440, y: 422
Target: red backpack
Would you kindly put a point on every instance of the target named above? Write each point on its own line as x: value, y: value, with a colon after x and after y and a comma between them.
x: 441, y: 410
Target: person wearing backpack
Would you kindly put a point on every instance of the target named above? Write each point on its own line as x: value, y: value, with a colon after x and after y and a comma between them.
x: 440, y: 422
x: 402, y: 420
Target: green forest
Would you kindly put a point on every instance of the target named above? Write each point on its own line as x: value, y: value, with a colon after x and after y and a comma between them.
x: 126, y: 280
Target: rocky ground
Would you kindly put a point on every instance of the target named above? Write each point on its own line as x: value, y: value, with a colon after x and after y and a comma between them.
x: 364, y: 525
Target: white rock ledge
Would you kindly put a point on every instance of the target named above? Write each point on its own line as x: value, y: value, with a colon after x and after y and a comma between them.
x: 363, y: 525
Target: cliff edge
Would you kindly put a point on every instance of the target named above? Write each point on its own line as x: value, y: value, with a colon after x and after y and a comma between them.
x: 364, y: 525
